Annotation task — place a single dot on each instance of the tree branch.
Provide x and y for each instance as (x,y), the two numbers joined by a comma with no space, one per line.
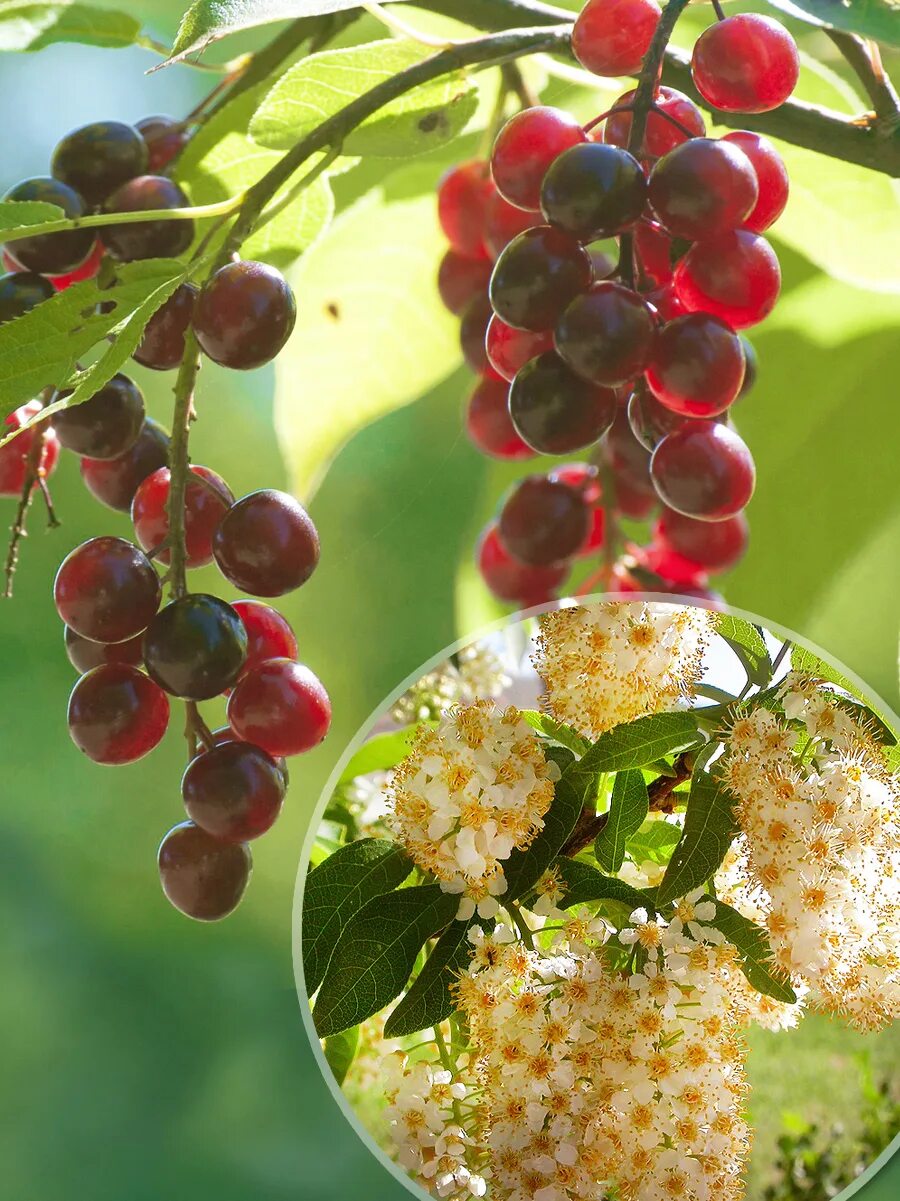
(179,463)
(865,61)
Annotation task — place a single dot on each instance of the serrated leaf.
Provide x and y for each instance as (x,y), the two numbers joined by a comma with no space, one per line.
(322,84)
(523,869)
(555,730)
(878,19)
(18,214)
(338,889)
(748,644)
(628,807)
(380,753)
(752,942)
(340,1051)
(654,841)
(709,826)
(429,1000)
(584,883)
(640,742)
(26,25)
(376,954)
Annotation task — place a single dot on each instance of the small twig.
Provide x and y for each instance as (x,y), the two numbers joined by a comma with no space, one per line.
(34,477)
(651,69)
(196,731)
(517,83)
(179,463)
(865,60)
(718,10)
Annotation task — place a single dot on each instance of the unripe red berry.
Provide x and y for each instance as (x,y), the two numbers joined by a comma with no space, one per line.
(269,635)
(503,222)
(205,504)
(115,481)
(116,714)
(489,425)
(697,367)
(713,545)
(508,349)
(772,177)
(281,706)
(463,195)
(745,64)
(703,187)
(14,455)
(524,149)
(165,138)
(661,135)
(461,279)
(511,581)
(107,590)
(611,37)
(734,276)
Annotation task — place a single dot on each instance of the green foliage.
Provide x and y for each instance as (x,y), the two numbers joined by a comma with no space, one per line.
(639,742)
(628,807)
(376,953)
(709,826)
(208,21)
(585,884)
(752,942)
(556,731)
(19,214)
(380,753)
(27,25)
(337,890)
(876,19)
(654,841)
(523,869)
(749,645)
(429,1001)
(340,1051)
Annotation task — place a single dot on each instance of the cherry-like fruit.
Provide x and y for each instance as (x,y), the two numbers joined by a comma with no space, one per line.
(20,292)
(244,315)
(114,481)
(147,239)
(116,714)
(607,334)
(703,470)
(15,454)
(162,344)
(660,135)
(98,158)
(747,63)
(734,276)
(557,412)
(203,877)
(266,544)
(195,647)
(611,37)
(463,195)
(52,254)
(461,279)
(206,501)
(233,791)
(713,545)
(508,349)
(107,590)
(84,654)
(543,521)
(594,191)
(105,426)
(697,367)
(510,580)
(525,148)
(269,634)
(537,276)
(282,707)
(772,177)
(703,187)
(489,425)
(165,138)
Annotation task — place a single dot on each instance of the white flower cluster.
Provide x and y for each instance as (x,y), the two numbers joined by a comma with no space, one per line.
(469,792)
(478,672)
(820,816)
(610,663)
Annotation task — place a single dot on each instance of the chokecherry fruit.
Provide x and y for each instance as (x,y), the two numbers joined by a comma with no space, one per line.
(503,222)
(266,544)
(162,344)
(713,545)
(105,426)
(543,521)
(463,195)
(660,135)
(697,367)
(745,64)
(85,654)
(734,276)
(489,425)
(555,411)
(611,37)
(203,877)
(703,470)
(594,191)
(269,635)
(98,158)
(87,270)
(244,315)
(472,333)
(461,279)
(508,349)
(115,481)
(116,714)
(512,581)
(14,455)
(654,249)
(702,187)
(165,138)
(195,647)
(650,420)
(771,175)
(20,291)
(107,590)
(585,477)
(147,239)
(537,276)
(233,791)
(281,706)
(607,334)
(206,501)
(52,254)
(525,148)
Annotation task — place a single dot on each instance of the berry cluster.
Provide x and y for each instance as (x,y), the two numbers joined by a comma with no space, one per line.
(639,360)
(133,651)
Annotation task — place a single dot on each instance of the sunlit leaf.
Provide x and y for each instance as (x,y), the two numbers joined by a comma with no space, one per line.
(27,25)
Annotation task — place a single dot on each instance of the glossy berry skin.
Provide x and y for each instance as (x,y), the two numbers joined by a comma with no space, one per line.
(461,279)
(650,420)
(463,195)
(244,315)
(489,425)
(772,178)
(84,654)
(114,481)
(503,222)
(544,521)
(266,544)
(633,502)
(661,135)
(147,239)
(282,707)
(697,367)
(203,877)
(195,647)
(205,504)
(594,191)
(508,349)
(630,462)
(611,37)
(713,546)
(20,291)
(555,411)
(116,714)
(269,635)
(537,276)
(233,791)
(703,470)
(165,138)
(745,64)
(585,478)
(107,590)
(98,158)
(162,346)
(52,254)
(654,249)
(675,571)
(524,149)
(87,270)
(472,333)
(703,187)
(734,276)
(105,426)
(511,581)
(14,455)
(607,334)
(665,303)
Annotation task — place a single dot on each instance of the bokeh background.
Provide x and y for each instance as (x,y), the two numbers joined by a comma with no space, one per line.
(145,1056)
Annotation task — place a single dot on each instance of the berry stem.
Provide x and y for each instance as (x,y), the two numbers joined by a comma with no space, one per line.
(196,732)
(147,42)
(651,69)
(18,529)
(865,59)
(99,220)
(718,10)
(179,463)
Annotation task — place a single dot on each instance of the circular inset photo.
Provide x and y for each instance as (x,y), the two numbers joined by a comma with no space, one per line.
(604,907)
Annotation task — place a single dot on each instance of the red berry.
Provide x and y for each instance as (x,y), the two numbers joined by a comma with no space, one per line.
(195,647)
(607,334)
(98,158)
(664,301)
(14,455)
(116,715)
(87,270)
(630,463)
(461,279)
(611,37)
(147,239)
(165,138)
(734,276)
(107,590)
(583,476)
(162,344)
(650,421)
(105,426)
(672,568)
(703,470)
(661,135)
(512,581)
(509,349)
(557,412)
(503,222)
(634,502)
(537,275)
(712,545)
(269,635)
(233,791)
(52,254)
(489,424)
(703,187)
(526,146)
(244,315)
(280,706)
(594,191)
(745,64)
(85,654)
(544,521)
(266,543)
(202,876)
(654,249)
(697,367)
(772,177)
(472,334)
(115,481)
(204,507)
(463,195)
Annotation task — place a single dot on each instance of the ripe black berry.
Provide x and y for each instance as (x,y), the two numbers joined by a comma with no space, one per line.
(195,647)
(233,791)
(165,139)
(84,654)
(162,344)
(555,411)
(106,590)
(544,521)
(266,543)
(115,481)
(594,191)
(105,426)
(244,315)
(52,254)
(147,239)
(116,715)
(98,158)
(20,291)
(606,335)
(202,876)
(537,275)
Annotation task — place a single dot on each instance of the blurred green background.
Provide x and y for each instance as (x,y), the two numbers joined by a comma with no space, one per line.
(146,1056)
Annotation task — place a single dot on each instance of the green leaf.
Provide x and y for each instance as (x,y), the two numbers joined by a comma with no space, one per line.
(709,826)
(323,84)
(380,753)
(429,1000)
(749,645)
(640,742)
(371,332)
(376,954)
(338,889)
(19,214)
(654,841)
(878,19)
(340,1051)
(752,942)
(208,21)
(26,25)
(555,730)
(584,883)
(523,869)
(628,807)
